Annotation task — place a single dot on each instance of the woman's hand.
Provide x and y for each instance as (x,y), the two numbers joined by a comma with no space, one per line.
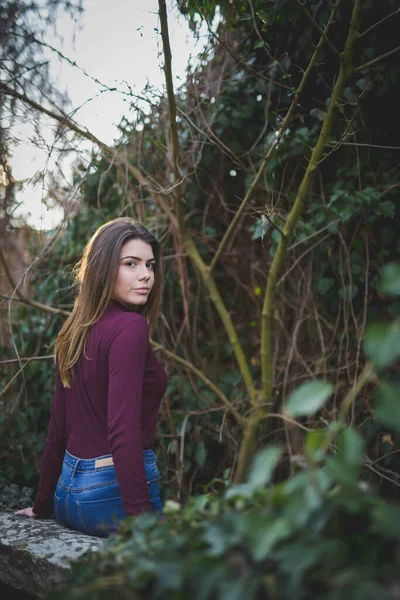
(28,512)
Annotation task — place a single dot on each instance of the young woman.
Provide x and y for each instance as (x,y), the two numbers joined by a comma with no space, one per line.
(98,465)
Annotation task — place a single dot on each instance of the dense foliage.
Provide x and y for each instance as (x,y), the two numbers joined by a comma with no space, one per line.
(308,538)
(313,519)
(228,113)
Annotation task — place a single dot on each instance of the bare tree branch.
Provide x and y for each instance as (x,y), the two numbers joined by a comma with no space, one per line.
(22,297)
(66,121)
(179,205)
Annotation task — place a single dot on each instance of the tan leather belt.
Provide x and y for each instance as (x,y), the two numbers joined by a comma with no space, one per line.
(103,462)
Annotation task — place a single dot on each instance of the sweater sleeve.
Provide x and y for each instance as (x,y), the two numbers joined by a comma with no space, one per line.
(127,357)
(53,454)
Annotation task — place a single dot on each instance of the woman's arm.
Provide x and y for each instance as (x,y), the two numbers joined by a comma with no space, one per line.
(53,454)
(127,358)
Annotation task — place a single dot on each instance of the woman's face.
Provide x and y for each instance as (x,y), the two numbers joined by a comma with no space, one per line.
(135,273)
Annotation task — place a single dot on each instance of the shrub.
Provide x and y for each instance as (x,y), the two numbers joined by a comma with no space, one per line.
(315,536)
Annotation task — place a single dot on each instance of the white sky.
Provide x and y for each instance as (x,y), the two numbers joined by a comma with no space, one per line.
(114,42)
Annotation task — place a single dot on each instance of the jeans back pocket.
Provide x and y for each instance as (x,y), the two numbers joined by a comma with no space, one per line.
(100,517)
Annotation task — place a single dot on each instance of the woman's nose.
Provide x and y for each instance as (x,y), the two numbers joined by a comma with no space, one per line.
(144,273)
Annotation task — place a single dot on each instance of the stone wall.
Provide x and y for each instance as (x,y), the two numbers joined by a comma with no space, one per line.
(35,553)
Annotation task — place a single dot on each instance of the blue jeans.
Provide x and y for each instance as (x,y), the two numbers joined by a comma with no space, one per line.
(88,498)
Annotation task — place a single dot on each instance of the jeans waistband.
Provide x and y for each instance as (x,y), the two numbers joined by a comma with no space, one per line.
(88,464)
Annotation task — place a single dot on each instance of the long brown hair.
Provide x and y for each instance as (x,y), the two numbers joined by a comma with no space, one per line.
(96,275)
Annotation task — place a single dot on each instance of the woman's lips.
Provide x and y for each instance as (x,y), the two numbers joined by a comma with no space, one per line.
(142,290)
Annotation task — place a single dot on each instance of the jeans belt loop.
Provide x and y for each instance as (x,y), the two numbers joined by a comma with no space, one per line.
(75,468)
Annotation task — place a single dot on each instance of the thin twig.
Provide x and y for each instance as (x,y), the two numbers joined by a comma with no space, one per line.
(377,60)
(29,358)
(287,419)
(8,385)
(396,12)
(334,142)
(188,365)
(365,376)
(22,297)
(318,28)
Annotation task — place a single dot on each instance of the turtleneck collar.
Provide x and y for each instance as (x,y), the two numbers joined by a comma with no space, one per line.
(117,304)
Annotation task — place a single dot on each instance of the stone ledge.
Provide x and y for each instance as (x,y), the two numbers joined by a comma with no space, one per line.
(35,553)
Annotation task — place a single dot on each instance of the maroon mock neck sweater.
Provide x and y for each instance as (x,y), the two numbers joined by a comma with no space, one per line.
(110,408)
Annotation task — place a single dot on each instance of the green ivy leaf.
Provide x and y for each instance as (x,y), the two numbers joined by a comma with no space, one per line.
(222,535)
(260,474)
(340,471)
(318,113)
(324,284)
(308,398)
(231,377)
(386,209)
(382,343)
(348,292)
(201,454)
(390,283)
(387,404)
(263,465)
(314,443)
(264,536)
(362,83)
(386,520)
(264,16)
(350,448)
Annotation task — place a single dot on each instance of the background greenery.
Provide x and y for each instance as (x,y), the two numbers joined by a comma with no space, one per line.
(328,292)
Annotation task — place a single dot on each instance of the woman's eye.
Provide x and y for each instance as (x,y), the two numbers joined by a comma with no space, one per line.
(151,265)
(131,263)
